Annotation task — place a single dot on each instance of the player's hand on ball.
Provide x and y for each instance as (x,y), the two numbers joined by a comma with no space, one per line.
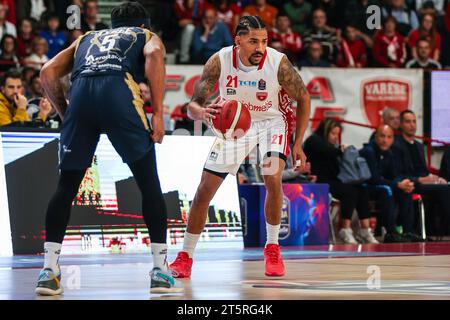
(298,157)
(197,112)
(158,129)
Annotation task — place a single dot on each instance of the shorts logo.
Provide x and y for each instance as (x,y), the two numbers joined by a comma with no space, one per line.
(213,156)
(261,85)
(261,96)
(231,92)
(66,150)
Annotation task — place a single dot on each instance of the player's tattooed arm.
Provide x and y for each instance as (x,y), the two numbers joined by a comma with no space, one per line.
(51,74)
(292,83)
(198,108)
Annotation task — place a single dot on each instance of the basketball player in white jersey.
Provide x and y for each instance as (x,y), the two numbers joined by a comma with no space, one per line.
(265,82)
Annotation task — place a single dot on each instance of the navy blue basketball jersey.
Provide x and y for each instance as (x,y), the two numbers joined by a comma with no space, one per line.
(118,50)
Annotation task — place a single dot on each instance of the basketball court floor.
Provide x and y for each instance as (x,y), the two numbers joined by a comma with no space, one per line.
(384,271)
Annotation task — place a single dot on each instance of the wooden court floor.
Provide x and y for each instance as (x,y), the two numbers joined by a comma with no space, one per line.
(355,274)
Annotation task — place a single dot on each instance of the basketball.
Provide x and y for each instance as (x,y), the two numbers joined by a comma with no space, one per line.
(233,121)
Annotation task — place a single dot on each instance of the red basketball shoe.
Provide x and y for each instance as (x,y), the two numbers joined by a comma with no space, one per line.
(182,266)
(273,261)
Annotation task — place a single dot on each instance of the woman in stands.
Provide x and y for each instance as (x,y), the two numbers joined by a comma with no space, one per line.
(324,151)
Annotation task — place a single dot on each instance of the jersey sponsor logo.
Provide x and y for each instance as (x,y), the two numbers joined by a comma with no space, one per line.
(231,92)
(261,84)
(252,107)
(380,93)
(248,83)
(261,96)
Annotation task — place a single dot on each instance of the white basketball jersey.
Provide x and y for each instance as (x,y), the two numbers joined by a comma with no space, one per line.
(258,90)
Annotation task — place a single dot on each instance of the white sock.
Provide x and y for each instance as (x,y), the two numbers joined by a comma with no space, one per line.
(190,242)
(159,251)
(51,256)
(272,233)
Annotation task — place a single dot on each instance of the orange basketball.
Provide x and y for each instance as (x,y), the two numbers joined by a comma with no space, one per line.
(233,121)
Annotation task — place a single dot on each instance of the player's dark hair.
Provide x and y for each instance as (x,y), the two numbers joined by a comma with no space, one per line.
(12,73)
(407,111)
(249,22)
(130,14)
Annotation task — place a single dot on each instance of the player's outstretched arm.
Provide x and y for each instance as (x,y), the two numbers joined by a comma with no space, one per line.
(51,74)
(155,71)
(293,84)
(197,109)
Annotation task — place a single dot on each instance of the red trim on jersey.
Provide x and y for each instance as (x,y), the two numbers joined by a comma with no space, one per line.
(235,64)
(284,104)
(261,63)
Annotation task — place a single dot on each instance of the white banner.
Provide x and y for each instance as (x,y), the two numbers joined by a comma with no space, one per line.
(5,227)
(357,95)
(360,95)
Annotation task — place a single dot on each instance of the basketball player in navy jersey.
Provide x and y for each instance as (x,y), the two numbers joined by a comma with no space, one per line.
(106,68)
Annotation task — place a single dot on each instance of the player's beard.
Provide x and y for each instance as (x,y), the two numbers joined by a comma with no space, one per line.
(255,55)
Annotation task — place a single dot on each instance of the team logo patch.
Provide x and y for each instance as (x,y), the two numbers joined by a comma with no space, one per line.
(261,96)
(231,92)
(213,156)
(381,93)
(261,85)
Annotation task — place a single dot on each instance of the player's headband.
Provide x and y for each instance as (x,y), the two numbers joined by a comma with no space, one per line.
(131,22)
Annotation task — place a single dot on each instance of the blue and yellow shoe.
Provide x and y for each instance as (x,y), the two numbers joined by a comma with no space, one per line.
(163,282)
(49,284)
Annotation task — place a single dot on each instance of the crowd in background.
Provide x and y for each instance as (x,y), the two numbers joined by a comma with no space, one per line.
(312,33)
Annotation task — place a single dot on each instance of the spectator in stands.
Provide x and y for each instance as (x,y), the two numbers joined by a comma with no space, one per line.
(444,171)
(406,17)
(391,117)
(389,46)
(324,34)
(146,97)
(423,57)
(46,115)
(38,56)
(56,40)
(355,13)
(8,58)
(209,38)
(13,104)
(33,8)
(314,57)
(323,151)
(91,21)
(423,6)
(386,186)
(283,39)
(409,154)
(27,74)
(74,35)
(352,49)
(228,12)
(298,12)
(10,6)
(264,10)
(188,17)
(6,27)
(333,12)
(25,38)
(427,30)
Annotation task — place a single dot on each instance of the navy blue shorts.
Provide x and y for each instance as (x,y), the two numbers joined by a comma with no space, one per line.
(109,104)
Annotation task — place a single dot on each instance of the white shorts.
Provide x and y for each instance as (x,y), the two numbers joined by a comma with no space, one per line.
(272,137)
